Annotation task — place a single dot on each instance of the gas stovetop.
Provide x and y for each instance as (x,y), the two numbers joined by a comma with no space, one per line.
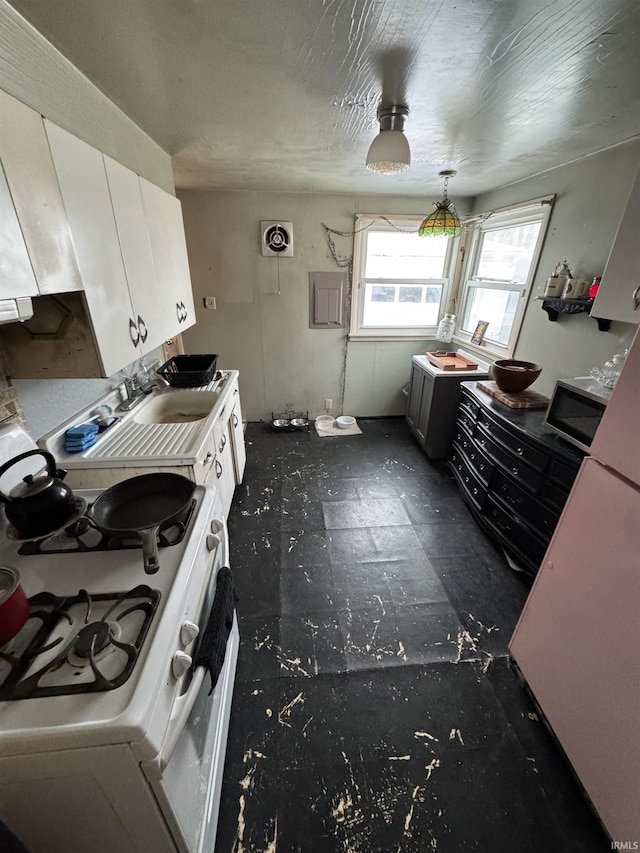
(77,644)
(83,534)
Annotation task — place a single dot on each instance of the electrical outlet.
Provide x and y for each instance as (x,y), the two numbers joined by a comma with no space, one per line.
(328,403)
(209,301)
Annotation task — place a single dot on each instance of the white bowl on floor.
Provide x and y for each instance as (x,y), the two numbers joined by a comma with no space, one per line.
(345,421)
(324,420)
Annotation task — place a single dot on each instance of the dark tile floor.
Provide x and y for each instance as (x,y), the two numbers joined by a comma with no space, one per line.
(374,708)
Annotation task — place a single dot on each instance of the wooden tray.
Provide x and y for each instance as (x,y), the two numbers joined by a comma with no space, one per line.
(524,400)
(451,361)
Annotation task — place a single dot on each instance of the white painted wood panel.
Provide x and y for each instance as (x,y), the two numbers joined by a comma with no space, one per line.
(31,177)
(16,273)
(85,192)
(174,303)
(126,198)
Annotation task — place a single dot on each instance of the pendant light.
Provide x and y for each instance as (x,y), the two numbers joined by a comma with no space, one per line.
(389,153)
(444,221)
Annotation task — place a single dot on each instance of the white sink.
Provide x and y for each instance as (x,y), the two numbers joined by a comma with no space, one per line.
(175,407)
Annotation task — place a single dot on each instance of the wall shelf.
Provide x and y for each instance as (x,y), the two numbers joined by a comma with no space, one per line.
(556,305)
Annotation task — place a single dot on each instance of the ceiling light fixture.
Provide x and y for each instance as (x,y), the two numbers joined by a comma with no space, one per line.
(389,153)
(444,221)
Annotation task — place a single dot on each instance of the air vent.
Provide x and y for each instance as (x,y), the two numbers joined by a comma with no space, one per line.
(277,239)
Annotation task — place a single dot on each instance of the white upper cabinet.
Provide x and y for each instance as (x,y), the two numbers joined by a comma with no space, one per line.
(83,183)
(38,207)
(174,302)
(16,274)
(126,199)
(619,294)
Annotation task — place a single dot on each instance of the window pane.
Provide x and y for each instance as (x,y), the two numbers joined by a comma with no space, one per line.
(498,307)
(398,311)
(506,254)
(382,294)
(391,254)
(410,294)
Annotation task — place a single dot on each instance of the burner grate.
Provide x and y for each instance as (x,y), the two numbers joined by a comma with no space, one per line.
(84,536)
(26,662)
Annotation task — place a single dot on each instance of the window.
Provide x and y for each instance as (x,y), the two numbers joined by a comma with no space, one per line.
(503,251)
(401,280)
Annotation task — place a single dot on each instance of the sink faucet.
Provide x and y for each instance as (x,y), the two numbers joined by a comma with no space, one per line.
(134,395)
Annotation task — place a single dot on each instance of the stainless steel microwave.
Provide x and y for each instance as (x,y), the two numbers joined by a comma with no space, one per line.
(575,410)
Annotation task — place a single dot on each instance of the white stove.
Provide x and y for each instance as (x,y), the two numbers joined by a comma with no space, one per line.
(99,694)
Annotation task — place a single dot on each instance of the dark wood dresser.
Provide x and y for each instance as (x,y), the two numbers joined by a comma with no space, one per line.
(513,473)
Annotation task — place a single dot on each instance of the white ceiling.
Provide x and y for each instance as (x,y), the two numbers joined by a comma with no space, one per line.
(282,96)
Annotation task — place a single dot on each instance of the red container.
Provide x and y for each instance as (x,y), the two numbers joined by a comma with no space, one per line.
(14,605)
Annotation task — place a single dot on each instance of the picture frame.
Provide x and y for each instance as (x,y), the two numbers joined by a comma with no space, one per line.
(480,331)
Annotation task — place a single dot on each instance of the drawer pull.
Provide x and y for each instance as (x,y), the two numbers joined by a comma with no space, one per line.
(474,491)
(223,443)
(519,451)
(208,458)
(235,417)
(515,471)
(218,469)
(466,479)
(482,442)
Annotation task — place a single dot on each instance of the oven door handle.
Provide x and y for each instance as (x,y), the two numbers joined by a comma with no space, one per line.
(181,710)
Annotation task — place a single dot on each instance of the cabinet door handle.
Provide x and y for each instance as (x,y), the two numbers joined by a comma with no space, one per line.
(207,458)
(636,298)
(223,442)
(218,469)
(181,311)
(134,334)
(515,471)
(142,327)
(235,419)
(519,451)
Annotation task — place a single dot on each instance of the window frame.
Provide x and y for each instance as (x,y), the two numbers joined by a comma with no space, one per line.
(357,331)
(476,227)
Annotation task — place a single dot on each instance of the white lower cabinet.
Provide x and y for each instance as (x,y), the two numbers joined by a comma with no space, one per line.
(222,475)
(218,460)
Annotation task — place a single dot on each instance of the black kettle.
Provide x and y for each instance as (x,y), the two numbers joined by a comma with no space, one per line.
(41,504)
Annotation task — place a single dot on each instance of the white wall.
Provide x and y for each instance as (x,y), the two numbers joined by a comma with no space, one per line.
(261,324)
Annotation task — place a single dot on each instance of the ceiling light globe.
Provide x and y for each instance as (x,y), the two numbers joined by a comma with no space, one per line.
(389,153)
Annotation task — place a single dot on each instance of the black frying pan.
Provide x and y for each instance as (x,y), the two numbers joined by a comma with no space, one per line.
(141,505)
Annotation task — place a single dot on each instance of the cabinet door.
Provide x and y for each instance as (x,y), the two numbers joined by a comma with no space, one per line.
(26,159)
(85,192)
(577,639)
(128,210)
(16,274)
(236,431)
(416,388)
(222,475)
(173,309)
(619,294)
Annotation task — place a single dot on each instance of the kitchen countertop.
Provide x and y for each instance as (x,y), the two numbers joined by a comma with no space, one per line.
(482,368)
(128,441)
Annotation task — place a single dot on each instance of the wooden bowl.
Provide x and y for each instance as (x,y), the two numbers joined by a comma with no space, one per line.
(514,376)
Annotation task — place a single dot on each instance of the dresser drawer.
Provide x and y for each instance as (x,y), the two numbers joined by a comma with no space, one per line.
(466,477)
(539,517)
(515,466)
(462,437)
(467,419)
(514,535)
(512,443)
(562,476)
